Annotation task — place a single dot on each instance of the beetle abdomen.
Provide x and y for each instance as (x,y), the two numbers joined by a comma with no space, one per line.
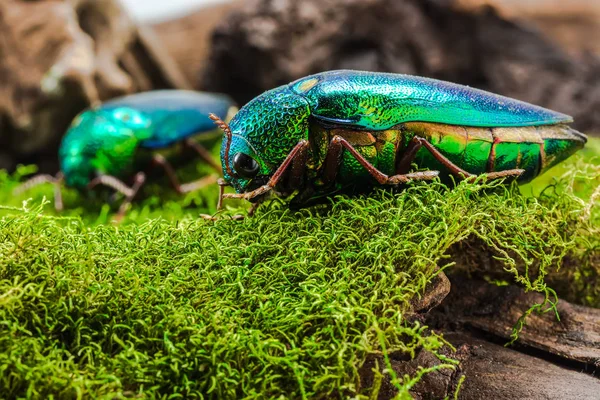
(559,144)
(478,150)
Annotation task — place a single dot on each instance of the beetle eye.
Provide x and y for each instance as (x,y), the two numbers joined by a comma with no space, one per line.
(245,166)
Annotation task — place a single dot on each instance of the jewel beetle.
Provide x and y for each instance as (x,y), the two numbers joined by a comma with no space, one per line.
(119,139)
(341,129)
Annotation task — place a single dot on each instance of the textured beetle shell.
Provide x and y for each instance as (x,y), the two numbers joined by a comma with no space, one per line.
(534,149)
(267,128)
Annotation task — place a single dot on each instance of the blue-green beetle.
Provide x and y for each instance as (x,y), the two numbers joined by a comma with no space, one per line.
(340,129)
(111,142)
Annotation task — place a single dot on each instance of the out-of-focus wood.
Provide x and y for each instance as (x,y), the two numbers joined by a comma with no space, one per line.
(187,38)
(574,24)
(268,43)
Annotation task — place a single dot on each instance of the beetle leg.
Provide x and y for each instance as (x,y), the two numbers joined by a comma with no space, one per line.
(58,202)
(303,197)
(411,151)
(139,180)
(254,207)
(222,183)
(509,173)
(159,160)
(332,163)
(111,182)
(203,153)
(181,188)
(417,142)
(116,184)
(297,170)
(38,180)
(33,182)
(297,151)
(237,217)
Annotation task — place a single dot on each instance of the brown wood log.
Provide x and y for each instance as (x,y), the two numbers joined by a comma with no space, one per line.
(435,293)
(496,372)
(573,24)
(474,304)
(188,39)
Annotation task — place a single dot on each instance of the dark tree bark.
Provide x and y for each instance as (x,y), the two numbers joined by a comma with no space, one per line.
(476,305)
(552,358)
(491,371)
(496,372)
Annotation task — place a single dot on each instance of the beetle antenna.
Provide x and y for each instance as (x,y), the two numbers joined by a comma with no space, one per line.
(227,130)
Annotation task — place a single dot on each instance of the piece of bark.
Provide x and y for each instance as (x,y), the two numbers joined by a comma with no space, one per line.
(56,58)
(491,371)
(436,385)
(496,372)
(435,292)
(269,43)
(496,310)
(552,359)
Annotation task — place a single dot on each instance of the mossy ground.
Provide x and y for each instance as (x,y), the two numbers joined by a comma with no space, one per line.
(287,303)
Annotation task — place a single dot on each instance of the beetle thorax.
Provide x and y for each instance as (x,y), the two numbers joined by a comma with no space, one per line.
(266,130)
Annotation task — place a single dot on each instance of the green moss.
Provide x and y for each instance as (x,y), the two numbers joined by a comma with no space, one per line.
(577,179)
(283,304)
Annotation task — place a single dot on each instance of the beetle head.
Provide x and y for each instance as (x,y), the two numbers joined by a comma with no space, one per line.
(261,135)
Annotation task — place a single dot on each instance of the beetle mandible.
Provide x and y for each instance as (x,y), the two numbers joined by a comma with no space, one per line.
(113,141)
(340,129)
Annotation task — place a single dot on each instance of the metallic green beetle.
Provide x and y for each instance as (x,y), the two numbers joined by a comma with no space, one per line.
(112,142)
(342,129)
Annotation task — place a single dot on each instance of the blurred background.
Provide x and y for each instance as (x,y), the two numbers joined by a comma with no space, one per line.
(59,56)
(155,11)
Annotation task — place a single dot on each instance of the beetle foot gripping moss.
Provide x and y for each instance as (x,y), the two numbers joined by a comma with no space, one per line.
(352,129)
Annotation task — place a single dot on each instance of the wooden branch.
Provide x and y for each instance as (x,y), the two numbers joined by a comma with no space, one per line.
(495,310)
